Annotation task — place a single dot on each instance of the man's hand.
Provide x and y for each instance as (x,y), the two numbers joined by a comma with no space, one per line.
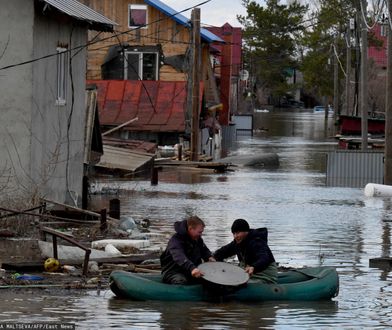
(249,270)
(196,273)
(211,259)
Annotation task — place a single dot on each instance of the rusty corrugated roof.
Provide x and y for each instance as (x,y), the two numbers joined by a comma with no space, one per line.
(84,13)
(159,105)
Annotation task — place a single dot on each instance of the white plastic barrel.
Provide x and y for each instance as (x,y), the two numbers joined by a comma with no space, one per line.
(378,190)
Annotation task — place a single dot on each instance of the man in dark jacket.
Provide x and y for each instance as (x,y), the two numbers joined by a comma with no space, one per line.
(252,250)
(184,252)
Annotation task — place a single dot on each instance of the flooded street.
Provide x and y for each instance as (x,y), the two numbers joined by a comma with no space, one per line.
(309,224)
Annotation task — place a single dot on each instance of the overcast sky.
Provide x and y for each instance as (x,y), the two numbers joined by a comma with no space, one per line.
(215,12)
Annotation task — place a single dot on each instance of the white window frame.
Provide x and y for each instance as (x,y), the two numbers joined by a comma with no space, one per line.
(143,7)
(383,30)
(140,66)
(62,75)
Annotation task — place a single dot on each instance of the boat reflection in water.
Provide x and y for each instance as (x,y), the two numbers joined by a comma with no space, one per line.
(222,315)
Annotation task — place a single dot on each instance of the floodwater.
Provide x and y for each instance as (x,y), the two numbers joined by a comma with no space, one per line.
(309,224)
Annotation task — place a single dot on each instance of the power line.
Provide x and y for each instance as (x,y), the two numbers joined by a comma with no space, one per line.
(107,38)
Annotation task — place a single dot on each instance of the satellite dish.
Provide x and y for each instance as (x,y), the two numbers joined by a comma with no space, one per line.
(244,75)
(223,273)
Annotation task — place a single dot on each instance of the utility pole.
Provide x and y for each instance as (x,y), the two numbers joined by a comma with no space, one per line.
(336,111)
(388,105)
(195,84)
(348,65)
(364,77)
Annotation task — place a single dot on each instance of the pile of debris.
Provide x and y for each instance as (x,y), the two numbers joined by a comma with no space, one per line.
(88,246)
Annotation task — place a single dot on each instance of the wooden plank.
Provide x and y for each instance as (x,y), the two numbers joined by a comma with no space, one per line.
(78,209)
(191,169)
(190,163)
(47,216)
(14,213)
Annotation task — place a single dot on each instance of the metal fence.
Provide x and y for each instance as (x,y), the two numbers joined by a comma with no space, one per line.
(244,125)
(228,136)
(352,168)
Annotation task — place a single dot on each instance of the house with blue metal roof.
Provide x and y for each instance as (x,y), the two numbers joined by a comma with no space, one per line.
(152,42)
(181,19)
(151,50)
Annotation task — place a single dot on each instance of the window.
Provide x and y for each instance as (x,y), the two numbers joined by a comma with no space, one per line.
(62,73)
(141,66)
(383,30)
(137,15)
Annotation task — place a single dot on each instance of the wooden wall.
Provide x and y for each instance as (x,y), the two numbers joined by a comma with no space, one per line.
(161,29)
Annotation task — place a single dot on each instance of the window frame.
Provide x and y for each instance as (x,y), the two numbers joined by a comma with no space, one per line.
(383,30)
(140,64)
(140,7)
(62,75)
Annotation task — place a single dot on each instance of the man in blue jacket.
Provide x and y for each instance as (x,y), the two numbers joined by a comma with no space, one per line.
(252,250)
(184,252)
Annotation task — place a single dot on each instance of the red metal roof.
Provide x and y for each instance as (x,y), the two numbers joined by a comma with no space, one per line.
(159,105)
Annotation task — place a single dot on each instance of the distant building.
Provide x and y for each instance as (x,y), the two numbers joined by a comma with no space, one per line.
(378,53)
(377,58)
(227,66)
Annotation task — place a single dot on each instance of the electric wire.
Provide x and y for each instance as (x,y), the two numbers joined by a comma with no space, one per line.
(103,39)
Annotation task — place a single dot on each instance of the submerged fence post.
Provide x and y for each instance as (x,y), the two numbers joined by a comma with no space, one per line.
(154,176)
(54,241)
(85,184)
(179,149)
(114,208)
(104,225)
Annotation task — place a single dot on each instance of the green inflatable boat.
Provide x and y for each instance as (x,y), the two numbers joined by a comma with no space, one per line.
(313,283)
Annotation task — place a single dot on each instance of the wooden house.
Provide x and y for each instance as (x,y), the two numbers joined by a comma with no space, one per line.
(42,107)
(150,48)
(151,43)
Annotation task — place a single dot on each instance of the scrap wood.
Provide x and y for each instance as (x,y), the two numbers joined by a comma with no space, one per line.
(193,169)
(81,210)
(12,213)
(129,268)
(212,165)
(145,270)
(48,216)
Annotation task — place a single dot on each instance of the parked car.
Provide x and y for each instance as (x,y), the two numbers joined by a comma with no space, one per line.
(321,108)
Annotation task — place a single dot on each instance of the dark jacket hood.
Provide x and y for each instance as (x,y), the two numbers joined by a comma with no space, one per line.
(181,227)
